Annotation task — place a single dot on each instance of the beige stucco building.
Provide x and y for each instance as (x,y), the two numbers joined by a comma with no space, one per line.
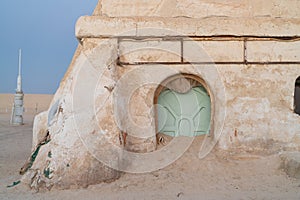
(235,63)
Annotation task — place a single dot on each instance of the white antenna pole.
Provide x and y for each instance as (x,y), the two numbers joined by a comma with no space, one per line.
(18,107)
(20,61)
(19,80)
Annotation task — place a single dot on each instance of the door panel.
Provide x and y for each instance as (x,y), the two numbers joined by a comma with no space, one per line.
(185,114)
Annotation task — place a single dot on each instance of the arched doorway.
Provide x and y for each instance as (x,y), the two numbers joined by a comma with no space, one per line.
(297,96)
(183,106)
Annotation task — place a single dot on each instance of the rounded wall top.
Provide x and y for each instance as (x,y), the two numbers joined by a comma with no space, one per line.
(199,8)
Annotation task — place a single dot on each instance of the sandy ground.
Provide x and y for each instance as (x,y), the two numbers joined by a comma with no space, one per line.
(33,103)
(221,175)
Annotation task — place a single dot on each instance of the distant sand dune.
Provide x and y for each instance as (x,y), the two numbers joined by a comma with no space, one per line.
(33,103)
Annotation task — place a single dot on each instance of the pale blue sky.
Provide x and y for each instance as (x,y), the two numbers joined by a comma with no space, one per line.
(44,29)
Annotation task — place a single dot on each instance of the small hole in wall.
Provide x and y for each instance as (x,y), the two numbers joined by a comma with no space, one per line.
(297,96)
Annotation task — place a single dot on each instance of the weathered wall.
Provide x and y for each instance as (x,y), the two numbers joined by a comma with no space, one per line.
(259,111)
(65,161)
(247,52)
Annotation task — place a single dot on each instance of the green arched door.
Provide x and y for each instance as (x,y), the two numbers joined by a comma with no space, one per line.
(185,114)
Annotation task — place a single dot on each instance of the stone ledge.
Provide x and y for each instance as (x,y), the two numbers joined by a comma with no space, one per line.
(150,51)
(96,26)
(273,51)
(213,51)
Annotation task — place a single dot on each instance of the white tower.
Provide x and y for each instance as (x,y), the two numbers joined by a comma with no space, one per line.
(17,110)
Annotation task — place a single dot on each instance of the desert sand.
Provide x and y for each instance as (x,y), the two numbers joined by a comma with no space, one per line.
(221,175)
(33,103)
